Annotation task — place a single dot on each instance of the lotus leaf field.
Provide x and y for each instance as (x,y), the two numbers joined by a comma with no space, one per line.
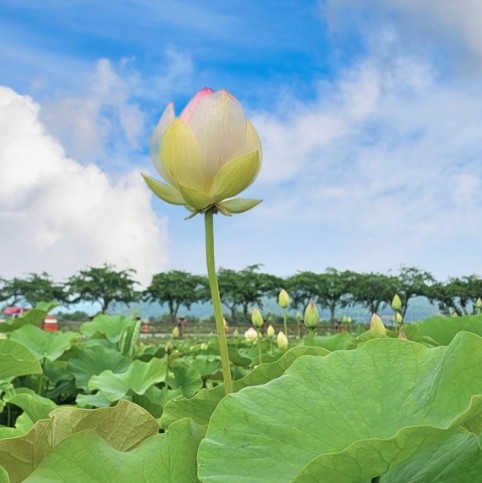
(100,405)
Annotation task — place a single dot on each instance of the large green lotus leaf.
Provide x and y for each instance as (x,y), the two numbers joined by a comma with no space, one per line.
(206,365)
(436,331)
(201,406)
(16,360)
(34,317)
(335,342)
(323,405)
(36,407)
(186,379)
(44,345)
(97,400)
(6,432)
(137,379)
(455,456)
(124,427)
(110,327)
(92,360)
(85,458)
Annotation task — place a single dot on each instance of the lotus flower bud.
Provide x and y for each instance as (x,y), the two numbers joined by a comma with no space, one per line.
(478,304)
(283,299)
(376,326)
(312,317)
(206,155)
(251,335)
(270,331)
(398,318)
(396,303)
(175,332)
(236,333)
(257,318)
(282,341)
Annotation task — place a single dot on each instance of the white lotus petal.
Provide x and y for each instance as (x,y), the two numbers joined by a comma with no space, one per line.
(220,128)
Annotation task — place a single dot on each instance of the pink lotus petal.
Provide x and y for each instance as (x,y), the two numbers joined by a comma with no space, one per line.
(186,113)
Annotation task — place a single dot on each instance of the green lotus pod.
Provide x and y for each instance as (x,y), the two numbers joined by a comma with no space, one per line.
(207,155)
(312,317)
(377,327)
(396,303)
(257,318)
(282,340)
(283,299)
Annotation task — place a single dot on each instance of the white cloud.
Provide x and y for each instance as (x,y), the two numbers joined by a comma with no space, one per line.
(448,26)
(100,122)
(387,158)
(59,216)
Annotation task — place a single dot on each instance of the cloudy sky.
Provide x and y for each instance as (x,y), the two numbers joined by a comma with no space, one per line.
(370,114)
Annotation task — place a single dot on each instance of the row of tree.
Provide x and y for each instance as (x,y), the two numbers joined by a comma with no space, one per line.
(244,289)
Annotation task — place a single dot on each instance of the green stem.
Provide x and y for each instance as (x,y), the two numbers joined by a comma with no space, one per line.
(259,347)
(310,337)
(40,389)
(218,313)
(285,325)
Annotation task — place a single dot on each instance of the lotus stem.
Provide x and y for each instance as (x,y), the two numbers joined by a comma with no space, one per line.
(216,300)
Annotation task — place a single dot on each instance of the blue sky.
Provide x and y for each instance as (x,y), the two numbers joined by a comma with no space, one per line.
(369,114)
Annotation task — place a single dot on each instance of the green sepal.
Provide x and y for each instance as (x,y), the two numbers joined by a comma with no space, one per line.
(164,191)
(237,205)
(235,176)
(195,198)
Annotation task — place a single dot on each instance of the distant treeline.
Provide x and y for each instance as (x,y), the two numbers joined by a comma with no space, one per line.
(244,289)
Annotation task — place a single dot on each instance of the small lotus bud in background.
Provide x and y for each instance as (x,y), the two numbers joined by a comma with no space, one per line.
(270,331)
(398,318)
(478,304)
(251,335)
(283,299)
(396,303)
(175,332)
(282,341)
(257,318)
(376,326)
(236,333)
(312,317)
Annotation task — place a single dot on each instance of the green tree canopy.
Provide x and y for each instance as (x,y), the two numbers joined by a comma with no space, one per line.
(245,289)
(412,282)
(371,290)
(330,289)
(176,288)
(33,289)
(103,285)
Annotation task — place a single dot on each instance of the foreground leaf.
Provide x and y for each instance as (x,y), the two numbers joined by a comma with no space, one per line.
(202,405)
(322,419)
(85,457)
(436,331)
(124,427)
